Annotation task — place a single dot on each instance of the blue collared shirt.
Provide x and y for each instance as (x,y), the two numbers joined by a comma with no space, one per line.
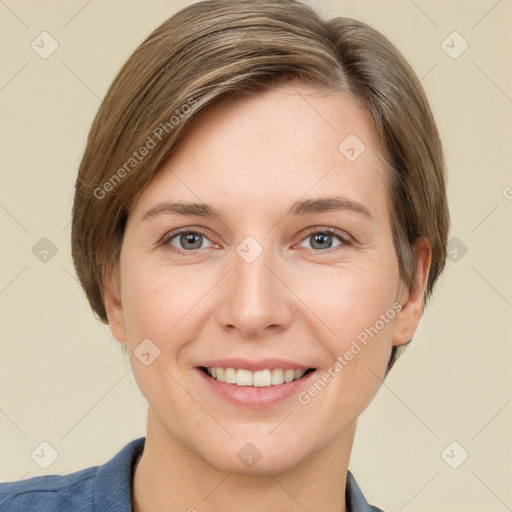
(106,488)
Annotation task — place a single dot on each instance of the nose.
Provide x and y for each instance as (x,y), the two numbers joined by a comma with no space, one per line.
(255,301)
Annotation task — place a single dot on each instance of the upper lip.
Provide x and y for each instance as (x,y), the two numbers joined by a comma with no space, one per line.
(261,364)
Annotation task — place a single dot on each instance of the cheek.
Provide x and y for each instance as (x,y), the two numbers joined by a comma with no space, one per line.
(358,305)
(360,313)
(159,301)
(350,299)
(159,305)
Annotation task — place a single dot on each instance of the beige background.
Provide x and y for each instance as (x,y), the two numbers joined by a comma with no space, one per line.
(64,380)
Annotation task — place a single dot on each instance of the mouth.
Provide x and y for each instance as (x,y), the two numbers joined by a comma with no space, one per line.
(264,378)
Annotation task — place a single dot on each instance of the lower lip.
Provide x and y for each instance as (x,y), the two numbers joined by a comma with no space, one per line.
(256,397)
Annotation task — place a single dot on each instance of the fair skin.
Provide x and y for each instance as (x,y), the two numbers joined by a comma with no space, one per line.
(301,301)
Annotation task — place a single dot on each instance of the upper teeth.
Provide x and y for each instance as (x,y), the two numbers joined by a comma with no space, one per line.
(261,378)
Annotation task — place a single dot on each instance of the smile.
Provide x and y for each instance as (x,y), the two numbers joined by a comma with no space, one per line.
(260,378)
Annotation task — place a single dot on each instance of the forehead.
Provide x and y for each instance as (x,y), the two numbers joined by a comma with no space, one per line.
(288,142)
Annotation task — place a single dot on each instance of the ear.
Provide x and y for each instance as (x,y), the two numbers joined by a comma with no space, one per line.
(408,318)
(113,306)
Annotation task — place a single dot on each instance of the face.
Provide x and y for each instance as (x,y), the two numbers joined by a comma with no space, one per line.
(264,246)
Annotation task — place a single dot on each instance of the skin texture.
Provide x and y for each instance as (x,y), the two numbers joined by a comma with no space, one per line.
(252,159)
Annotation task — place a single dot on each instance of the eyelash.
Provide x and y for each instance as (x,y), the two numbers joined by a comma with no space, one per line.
(344,238)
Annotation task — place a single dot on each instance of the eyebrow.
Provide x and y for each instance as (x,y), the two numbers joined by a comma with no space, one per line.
(304,207)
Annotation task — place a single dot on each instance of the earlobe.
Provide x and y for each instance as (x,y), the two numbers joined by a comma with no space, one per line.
(113,306)
(412,300)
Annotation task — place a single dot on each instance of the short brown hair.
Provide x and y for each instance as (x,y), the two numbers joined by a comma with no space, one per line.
(220,49)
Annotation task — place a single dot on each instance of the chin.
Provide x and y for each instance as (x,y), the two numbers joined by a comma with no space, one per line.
(243,457)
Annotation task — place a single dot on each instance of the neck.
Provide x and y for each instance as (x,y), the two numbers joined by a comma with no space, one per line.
(170,477)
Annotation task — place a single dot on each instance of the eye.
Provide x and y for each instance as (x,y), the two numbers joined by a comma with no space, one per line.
(192,239)
(322,240)
(187,239)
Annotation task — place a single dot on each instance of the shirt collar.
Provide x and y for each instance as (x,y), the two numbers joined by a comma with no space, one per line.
(354,498)
(113,483)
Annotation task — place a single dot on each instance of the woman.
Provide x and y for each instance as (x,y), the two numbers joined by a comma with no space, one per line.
(299,159)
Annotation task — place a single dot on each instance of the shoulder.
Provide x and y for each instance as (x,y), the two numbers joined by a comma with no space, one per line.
(105,487)
(50,492)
